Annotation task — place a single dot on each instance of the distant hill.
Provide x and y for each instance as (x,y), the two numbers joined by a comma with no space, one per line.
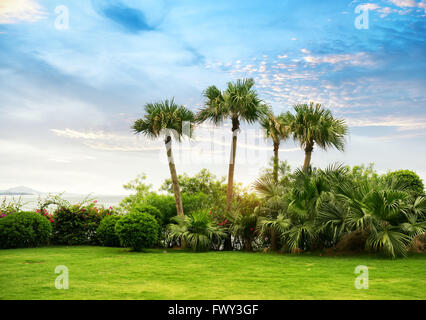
(19,191)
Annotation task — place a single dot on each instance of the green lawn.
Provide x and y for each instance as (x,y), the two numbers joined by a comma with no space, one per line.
(116,273)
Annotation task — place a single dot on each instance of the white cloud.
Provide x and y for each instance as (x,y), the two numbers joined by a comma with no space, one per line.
(369,6)
(401,123)
(386,11)
(409,4)
(404,3)
(358,59)
(15,11)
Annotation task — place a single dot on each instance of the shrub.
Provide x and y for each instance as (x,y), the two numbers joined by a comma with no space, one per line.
(10,206)
(45,214)
(137,230)
(354,241)
(77,224)
(418,244)
(106,231)
(24,230)
(409,178)
(194,202)
(153,211)
(197,231)
(165,203)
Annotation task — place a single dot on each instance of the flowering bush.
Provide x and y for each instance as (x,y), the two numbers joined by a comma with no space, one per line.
(10,207)
(77,224)
(46,214)
(220,219)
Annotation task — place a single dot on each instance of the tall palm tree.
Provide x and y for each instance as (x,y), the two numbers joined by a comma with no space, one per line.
(276,129)
(168,119)
(238,102)
(313,124)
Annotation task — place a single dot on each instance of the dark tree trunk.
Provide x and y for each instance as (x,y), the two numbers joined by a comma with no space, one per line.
(274,246)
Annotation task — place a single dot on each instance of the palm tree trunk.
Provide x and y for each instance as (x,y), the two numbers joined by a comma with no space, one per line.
(175,183)
(273,240)
(229,193)
(308,152)
(276,148)
(247,245)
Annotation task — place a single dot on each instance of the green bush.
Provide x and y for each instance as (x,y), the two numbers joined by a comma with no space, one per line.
(77,224)
(165,203)
(137,230)
(153,211)
(106,232)
(410,179)
(194,202)
(24,230)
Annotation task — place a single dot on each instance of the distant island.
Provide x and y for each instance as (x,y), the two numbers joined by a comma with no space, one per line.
(19,191)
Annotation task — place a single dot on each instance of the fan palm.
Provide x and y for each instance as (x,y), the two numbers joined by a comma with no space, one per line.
(198,231)
(274,203)
(238,102)
(167,119)
(276,129)
(382,210)
(313,124)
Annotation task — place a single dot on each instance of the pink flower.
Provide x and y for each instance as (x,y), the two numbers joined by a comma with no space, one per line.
(110,208)
(95,201)
(251,229)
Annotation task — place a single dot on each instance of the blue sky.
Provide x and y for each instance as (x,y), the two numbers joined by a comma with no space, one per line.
(68,96)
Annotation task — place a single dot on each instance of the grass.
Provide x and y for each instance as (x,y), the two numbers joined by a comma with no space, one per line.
(116,273)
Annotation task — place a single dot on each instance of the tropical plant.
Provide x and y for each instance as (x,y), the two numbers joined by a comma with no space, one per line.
(272,208)
(243,227)
(276,129)
(411,179)
(170,120)
(312,124)
(197,230)
(384,210)
(239,102)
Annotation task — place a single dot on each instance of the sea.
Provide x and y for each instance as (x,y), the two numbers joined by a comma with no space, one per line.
(30,201)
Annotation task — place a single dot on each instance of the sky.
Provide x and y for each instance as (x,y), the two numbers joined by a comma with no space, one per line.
(75,75)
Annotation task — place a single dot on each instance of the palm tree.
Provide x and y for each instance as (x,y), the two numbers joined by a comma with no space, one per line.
(168,119)
(313,124)
(238,102)
(276,129)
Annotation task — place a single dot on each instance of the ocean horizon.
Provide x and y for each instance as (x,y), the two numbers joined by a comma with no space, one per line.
(30,201)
